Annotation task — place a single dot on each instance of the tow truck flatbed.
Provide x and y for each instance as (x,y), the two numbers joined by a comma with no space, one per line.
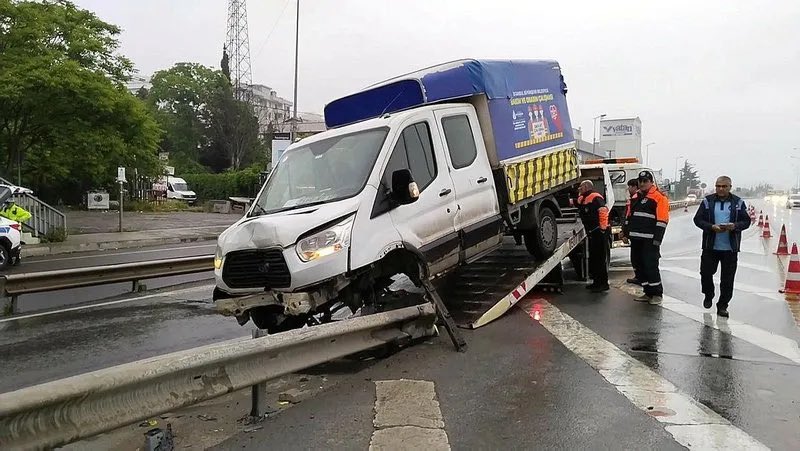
(484,290)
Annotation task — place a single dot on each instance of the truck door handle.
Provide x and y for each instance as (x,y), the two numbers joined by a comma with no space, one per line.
(482,180)
(445,192)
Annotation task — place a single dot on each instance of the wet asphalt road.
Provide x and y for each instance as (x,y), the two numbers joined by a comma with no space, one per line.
(517,386)
(43,301)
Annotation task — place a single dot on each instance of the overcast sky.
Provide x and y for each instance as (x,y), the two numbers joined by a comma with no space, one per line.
(715,81)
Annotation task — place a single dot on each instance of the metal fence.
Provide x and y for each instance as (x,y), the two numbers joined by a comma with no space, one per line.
(60,412)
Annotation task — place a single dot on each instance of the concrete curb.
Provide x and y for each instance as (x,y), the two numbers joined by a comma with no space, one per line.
(40,250)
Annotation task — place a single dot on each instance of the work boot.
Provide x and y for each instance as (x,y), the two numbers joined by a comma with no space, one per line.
(634,281)
(642,298)
(708,301)
(723,312)
(655,300)
(600,288)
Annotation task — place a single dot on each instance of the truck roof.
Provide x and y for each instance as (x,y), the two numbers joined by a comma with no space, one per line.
(497,79)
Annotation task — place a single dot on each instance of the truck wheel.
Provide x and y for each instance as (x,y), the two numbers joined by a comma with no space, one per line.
(542,241)
(5,257)
(274,321)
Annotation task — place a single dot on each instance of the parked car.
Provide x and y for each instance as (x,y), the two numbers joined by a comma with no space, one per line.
(793,201)
(691,198)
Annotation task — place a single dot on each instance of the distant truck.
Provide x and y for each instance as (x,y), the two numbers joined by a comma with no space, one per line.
(416,175)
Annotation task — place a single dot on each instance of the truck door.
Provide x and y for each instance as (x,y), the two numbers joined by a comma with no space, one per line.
(478,219)
(427,224)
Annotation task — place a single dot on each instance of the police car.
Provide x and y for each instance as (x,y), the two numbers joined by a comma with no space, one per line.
(10,232)
(10,243)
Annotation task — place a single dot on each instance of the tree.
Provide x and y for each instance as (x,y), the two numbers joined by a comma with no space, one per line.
(206,127)
(66,120)
(688,179)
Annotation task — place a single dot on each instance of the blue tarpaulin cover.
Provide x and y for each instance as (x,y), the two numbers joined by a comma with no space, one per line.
(527,100)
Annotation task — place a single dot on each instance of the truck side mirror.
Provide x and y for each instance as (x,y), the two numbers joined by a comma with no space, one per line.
(404,189)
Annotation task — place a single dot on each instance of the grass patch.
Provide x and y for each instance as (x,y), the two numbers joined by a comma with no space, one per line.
(55,235)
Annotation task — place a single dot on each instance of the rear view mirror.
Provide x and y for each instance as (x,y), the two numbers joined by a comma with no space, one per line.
(404,189)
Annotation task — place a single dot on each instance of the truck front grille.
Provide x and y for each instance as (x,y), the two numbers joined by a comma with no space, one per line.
(256,268)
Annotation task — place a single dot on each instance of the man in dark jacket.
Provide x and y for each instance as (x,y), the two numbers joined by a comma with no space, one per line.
(722,216)
(594,215)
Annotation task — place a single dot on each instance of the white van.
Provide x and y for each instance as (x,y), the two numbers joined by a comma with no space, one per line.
(178,189)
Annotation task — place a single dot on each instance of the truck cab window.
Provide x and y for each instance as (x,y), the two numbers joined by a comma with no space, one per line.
(413,151)
(460,141)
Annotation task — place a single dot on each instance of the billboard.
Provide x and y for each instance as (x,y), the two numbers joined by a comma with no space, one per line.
(620,127)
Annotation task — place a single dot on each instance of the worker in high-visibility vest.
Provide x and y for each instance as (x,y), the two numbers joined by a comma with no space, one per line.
(594,215)
(14,212)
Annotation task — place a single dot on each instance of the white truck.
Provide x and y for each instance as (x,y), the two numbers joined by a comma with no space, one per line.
(177,189)
(416,175)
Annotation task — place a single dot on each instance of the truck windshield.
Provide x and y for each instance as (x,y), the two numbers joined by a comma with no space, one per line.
(180,186)
(325,171)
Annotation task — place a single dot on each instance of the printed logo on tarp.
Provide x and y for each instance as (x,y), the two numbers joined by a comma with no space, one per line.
(616,130)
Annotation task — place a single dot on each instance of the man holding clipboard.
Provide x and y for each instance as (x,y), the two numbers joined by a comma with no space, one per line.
(722,216)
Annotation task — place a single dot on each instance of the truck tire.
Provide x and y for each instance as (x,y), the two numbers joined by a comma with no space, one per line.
(542,241)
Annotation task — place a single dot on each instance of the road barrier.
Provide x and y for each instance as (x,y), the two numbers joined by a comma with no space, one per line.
(14,285)
(60,412)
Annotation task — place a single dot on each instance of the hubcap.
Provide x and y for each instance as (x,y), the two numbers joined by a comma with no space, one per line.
(548,226)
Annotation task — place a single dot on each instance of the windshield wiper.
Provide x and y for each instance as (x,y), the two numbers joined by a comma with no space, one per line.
(260,211)
(296,207)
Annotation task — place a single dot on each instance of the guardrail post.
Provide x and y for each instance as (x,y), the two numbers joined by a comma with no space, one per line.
(258,392)
(138,287)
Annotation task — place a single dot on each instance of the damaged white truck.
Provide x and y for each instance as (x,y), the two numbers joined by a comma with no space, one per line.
(416,175)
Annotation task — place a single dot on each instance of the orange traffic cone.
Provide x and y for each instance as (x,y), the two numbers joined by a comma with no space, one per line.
(767,232)
(686,207)
(752,216)
(783,245)
(761,220)
(793,274)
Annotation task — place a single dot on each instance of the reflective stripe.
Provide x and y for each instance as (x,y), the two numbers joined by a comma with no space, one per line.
(662,224)
(653,284)
(641,235)
(644,215)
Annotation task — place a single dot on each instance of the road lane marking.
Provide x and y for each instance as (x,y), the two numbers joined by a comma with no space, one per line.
(774,343)
(105,304)
(407,416)
(689,422)
(739,264)
(766,293)
(114,254)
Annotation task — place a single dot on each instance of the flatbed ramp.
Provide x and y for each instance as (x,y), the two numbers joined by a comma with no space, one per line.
(481,292)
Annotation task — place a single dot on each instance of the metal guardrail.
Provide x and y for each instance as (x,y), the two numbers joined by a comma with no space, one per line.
(14,285)
(60,412)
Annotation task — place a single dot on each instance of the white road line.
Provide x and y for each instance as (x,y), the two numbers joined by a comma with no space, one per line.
(763,292)
(740,264)
(690,423)
(774,343)
(112,253)
(105,304)
(407,416)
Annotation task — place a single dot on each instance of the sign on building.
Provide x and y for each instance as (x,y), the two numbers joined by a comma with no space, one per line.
(622,137)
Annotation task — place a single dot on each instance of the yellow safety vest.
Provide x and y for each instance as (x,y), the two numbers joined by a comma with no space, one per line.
(15,213)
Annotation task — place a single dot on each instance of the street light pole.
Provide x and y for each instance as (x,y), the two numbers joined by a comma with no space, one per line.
(296,60)
(676,167)
(594,131)
(647,153)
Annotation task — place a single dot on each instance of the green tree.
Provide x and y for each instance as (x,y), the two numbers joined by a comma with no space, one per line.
(206,128)
(66,120)
(687,180)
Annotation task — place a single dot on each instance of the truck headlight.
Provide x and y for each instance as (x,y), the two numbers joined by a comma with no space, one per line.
(327,242)
(218,258)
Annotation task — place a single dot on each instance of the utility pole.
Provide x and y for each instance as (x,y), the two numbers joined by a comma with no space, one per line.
(237,44)
(594,131)
(293,134)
